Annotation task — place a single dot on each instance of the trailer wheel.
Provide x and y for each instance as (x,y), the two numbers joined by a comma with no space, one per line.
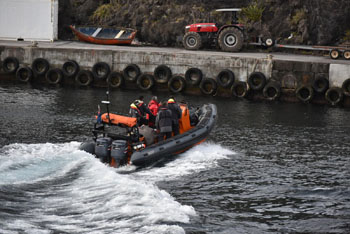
(334,54)
(347,54)
(269,42)
(231,39)
(192,41)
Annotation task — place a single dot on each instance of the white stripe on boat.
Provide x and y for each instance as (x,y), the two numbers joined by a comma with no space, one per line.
(96,32)
(119,34)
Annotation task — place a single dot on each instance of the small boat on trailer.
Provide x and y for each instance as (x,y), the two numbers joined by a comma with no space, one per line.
(138,144)
(104,36)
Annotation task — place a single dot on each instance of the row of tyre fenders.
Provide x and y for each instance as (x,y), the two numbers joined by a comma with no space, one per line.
(162,74)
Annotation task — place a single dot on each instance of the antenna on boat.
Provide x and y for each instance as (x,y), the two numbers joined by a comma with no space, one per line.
(107,102)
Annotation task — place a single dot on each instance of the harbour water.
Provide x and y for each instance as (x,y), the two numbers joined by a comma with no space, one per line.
(266,168)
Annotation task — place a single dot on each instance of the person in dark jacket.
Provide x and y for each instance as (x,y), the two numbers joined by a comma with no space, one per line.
(164,122)
(136,113)
(143,108)
(176,115)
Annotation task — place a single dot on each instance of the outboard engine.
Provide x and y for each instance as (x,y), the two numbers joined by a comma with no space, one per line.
(119,151)
(103,149)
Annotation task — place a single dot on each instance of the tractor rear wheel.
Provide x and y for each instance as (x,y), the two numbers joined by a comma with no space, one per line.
(231,39)
(192,41)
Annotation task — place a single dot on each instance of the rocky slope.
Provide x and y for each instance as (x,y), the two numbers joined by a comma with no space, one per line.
(161,22)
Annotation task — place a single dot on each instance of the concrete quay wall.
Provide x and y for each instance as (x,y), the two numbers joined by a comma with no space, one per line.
(286,73)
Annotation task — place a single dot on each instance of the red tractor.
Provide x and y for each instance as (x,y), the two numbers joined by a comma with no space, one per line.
(229,37)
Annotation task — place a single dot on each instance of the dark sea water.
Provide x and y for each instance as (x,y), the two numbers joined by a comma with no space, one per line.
(266,168)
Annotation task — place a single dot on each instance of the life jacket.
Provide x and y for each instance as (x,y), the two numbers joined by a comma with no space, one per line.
(134,107)
(175,110)
(165,120)
(153,106)
(184,122)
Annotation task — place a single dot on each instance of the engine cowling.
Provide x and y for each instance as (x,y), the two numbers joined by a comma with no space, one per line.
(202,27)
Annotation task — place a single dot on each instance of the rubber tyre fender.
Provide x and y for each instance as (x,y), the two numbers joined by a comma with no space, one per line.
(84,78)
(193,76)
(162,74)
(346,87)
(334,96)
(334,54)
(192,41)
(115,79)
(320,84)
(131,72)
(240,89)
(145,81)
(70,68)
(24,74)
(272,91)
(305,93)
(40,66)
(101,70)
(10,65)
(172,84)
(257,81)
(208,86)
(54,76)
(225,78)
(231,39)
(346,54)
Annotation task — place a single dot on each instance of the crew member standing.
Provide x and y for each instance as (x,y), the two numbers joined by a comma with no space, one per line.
(136,113)
(164,122)
(176,115)
(144,109)
(153,106)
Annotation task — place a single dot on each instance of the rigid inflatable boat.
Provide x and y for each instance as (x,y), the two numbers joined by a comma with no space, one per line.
(138,145)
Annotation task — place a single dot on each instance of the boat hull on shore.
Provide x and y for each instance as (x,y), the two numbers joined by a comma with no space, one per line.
(104,36)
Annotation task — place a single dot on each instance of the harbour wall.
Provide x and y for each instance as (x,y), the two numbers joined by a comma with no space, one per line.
(256,76)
